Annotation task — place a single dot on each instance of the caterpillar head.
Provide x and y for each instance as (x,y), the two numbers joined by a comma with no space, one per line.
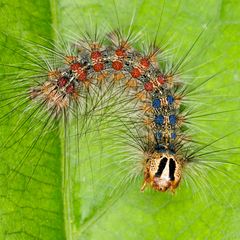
(162,172)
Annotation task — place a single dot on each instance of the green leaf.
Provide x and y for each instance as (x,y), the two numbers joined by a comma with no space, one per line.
(57,185)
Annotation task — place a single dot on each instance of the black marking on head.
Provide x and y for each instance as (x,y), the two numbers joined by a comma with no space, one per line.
(172,167)
(161,166)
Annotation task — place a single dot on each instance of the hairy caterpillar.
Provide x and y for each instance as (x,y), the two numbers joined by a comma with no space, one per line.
(100,111)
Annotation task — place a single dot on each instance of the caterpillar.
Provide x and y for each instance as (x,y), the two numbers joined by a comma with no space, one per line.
(102,87)
(123,63)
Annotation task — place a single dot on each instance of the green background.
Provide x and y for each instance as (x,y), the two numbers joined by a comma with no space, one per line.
(32,200)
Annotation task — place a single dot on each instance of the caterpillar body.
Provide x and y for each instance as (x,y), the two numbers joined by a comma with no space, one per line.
(103,87)
(151,84)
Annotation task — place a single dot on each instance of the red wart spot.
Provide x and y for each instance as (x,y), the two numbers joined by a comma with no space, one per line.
(135,73)
(148,86)
(82,74)
(117,65)
(161,79)
(96,55)
(70,89)
(145,62)
(120,52)
(75,66)
(62,82)
(98,67)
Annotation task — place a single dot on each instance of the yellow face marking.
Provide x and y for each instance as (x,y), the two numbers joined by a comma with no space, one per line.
(162,172)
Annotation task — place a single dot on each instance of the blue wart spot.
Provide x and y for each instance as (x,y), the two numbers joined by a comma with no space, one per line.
(156,103)
(159,119)
(173,135)
(172,119)
(171,148)
(160,148)
(158,135)
(170,99)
